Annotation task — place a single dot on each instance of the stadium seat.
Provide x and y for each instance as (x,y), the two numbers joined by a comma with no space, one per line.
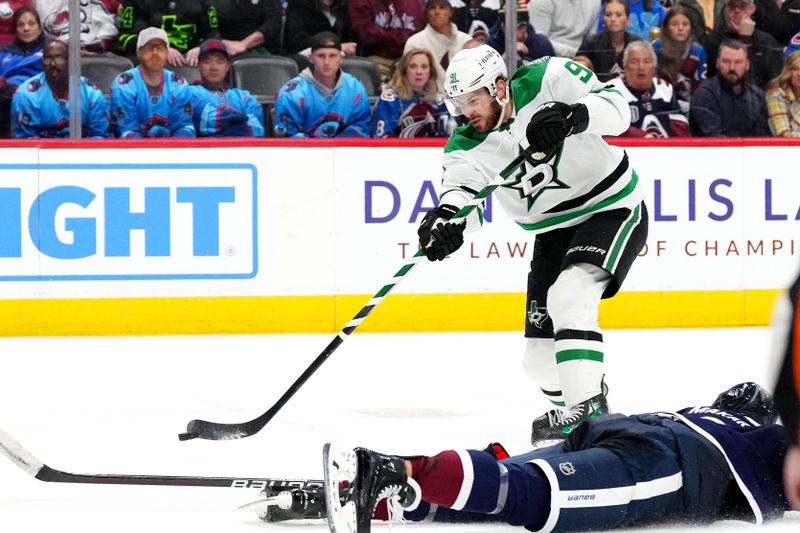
(367,72)
(101,70)
(190,74)
(263,76)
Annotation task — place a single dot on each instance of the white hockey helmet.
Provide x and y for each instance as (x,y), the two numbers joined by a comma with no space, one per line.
(472,69)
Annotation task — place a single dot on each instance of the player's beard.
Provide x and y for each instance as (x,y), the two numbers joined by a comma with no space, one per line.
(492,118)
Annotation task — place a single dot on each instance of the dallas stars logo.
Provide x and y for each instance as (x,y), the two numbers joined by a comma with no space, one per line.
(532,183)
(536,314)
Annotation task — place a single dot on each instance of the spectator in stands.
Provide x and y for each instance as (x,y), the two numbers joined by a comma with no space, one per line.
(8,30)
(440,36)
(477,16)
(705,15)
(783,99)
(530,45)
(306,18)
(187,23)
(98,30)
(148,100)
(324,101)
(382,28)
(644,16)
(605,49)
(40,107)
(566,24)
(412,104)
(728,104)
(681,60)
(252,26)
(655,112)
(19,60)
(763,50)
(771,19)
(793,46)
(218,109)
(791,10)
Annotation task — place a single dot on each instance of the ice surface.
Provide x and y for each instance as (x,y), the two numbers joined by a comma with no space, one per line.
(116,405)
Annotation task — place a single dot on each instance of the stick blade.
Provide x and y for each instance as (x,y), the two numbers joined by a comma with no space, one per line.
(203,429)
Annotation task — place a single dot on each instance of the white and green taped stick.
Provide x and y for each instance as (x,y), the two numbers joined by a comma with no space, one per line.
(204,429)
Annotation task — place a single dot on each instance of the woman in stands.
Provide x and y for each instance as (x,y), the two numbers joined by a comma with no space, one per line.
(411,106)
(20,59)
(783,99)
(605,49)
(681,60)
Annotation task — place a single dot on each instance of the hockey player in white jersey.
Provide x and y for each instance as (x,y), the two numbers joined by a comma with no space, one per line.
(577,193)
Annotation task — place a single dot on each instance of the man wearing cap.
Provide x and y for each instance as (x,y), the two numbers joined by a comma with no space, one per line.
(40,107)
(440,36)
(148,100)
(324,101)
(763,51)
(220,110)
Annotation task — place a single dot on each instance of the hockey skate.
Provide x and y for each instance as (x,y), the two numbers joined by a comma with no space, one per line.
(290,504)
(370,477)
(556,425)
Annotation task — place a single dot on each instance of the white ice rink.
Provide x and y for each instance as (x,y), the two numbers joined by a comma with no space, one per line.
(116,405)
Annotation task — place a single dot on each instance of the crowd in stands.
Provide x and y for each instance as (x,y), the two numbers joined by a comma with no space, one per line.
(375,68)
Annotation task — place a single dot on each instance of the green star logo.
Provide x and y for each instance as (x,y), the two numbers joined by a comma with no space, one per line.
(531,183)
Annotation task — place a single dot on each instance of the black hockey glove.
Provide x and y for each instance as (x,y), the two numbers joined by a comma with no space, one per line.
(553,122)
(439,237)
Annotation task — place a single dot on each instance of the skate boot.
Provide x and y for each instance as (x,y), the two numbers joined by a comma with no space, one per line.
(292,504)
(556,425)
(370,478)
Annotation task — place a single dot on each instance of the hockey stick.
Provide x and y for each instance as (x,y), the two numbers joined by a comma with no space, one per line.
(204,429)
(30,464)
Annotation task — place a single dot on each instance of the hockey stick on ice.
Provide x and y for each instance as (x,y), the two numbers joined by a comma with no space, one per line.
(204,429)
(30,464)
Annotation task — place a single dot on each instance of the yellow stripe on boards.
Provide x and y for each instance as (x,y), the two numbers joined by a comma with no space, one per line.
(396,313)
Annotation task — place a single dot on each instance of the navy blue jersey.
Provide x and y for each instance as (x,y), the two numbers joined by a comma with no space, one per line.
(413,117)
(37,112)
(136,111)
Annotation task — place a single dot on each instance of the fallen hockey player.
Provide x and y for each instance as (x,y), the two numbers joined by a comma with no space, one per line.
(696,465)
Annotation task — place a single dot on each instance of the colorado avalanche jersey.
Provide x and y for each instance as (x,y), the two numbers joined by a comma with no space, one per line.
(227,113)
(137,111)
(655,112)
(586,176)
(37,112)
(308,109)
(750,450)
(413,117)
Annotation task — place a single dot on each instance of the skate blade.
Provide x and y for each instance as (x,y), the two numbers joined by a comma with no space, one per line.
(282,500)
(546,443)
(339,467)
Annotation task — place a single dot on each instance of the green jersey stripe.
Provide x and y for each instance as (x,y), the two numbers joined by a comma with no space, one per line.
(579,355)
(619,242)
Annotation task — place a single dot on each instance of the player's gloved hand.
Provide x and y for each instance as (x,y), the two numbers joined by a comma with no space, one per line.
(439,237)
(553,122)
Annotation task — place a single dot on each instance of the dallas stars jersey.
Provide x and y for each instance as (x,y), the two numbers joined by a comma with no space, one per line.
(586,175)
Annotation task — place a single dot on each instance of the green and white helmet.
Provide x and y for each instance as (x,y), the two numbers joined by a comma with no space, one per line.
(470,70)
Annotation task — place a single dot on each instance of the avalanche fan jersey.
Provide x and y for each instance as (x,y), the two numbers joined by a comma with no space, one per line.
(413,117)
(230,112)
(166,113)
(585,176)
(37,112)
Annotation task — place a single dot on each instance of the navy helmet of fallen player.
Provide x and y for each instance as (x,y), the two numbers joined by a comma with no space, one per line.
(749,399)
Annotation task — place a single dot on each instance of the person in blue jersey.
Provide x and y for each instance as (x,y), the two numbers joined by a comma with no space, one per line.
(148,100)
(645,15)
(220,110)
(720,461)
(411,105)
(40,107)
(323,101)
(19,59)
(694,466)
